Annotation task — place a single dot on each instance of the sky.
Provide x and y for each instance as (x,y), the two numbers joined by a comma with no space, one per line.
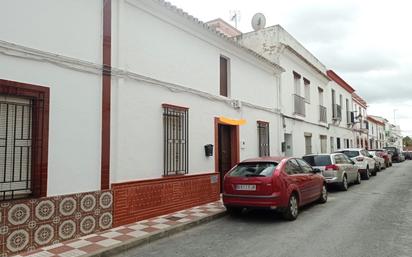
(368,43)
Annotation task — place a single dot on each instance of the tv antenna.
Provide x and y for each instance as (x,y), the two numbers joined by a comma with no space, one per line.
(235,17)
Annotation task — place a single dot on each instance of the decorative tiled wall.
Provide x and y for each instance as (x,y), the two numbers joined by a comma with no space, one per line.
(31,223)
(138,200)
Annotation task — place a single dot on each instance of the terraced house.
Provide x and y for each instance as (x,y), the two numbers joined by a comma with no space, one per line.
(131,110)
(135,109)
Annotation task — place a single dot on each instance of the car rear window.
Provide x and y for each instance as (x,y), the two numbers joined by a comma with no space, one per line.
(253,169)
(318,160)
(350,154)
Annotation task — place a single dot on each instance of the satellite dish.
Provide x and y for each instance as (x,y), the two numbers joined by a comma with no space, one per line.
(258,21)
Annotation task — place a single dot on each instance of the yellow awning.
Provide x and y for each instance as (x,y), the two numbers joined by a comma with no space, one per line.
(229,121)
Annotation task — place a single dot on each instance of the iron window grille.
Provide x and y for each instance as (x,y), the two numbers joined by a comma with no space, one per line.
(176,140)
(15,147)
(263,134)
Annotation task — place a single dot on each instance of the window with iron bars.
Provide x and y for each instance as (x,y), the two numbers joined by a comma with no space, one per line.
(24,130)
(176,135)
(263,134)
(15,147)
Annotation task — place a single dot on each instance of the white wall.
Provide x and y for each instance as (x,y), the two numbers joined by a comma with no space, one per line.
(137,131)
(156,44)
(153,41)
(74,122)
(71,28)
(66,27)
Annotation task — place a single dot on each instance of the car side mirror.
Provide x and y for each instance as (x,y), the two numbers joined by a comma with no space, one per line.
(370,156)
(352,162)
(316,170)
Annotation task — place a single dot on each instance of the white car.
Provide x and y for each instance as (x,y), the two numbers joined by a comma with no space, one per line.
(363,160)
(380,162)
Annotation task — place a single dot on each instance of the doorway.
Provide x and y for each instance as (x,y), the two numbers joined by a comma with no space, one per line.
(227,148)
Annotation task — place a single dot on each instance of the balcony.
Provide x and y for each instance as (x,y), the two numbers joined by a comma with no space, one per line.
(299,105)
(322,114)
(337,112)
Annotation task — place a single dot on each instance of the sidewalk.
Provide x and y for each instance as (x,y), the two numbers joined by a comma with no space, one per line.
(121,238)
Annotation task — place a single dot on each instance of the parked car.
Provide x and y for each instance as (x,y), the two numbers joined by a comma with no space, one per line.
(337,169)
(395,153)
(385,155)
(401,157)
(379,161)
(408,155)
(363,160)
(278,183)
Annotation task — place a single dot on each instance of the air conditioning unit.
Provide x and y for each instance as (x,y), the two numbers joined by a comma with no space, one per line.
(237,104)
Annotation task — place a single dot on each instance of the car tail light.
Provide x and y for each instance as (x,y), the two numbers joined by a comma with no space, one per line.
(332,167)
(359,159)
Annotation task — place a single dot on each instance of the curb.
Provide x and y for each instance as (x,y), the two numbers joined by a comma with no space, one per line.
(124,246)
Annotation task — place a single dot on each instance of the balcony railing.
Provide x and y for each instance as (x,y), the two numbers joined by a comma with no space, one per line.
(299,105)
(337,112)
(322,113)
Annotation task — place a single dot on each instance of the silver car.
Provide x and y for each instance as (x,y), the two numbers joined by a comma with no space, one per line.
(337,168)
(380,162)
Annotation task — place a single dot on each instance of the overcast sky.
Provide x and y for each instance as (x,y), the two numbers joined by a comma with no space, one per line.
(368,43)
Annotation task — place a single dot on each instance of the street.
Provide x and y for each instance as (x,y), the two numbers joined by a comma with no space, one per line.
(371,219)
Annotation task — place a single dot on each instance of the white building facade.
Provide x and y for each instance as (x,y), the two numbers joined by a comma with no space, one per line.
(131,110)
(342,118)
(376,133)
(316,103)
(361,125)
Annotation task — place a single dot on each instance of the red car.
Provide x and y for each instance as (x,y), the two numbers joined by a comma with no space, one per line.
(385,155)
(278,183)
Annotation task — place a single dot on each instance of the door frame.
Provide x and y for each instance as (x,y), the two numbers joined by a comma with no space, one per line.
(234,142)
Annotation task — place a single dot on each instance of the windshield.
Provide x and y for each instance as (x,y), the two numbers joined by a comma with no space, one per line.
(350,154)
(373,153)
(253,169)
(391,149)
(318,160)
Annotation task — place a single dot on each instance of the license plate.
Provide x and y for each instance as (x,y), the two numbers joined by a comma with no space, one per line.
(246,187)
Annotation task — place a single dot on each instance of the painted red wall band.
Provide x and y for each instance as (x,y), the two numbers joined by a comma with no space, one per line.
(106,94)
(143,199)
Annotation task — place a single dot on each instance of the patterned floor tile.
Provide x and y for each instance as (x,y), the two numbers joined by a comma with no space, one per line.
(137,227)
(110,234)
(125,230)
(96,238)
(123,238)
(137,233)
(150,229)
(161,226)
(79,243)
(61,249)
(108,242)
(73,253)
(91,248)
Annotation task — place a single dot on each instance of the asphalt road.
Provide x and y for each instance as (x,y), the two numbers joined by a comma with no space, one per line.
(372,219)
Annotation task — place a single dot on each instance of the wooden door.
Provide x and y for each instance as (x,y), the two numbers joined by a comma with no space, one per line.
(225,150)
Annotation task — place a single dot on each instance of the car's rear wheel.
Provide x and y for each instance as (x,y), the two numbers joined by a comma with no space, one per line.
(367,174)
(323,195)
(292,211)
(375,171)
(358,179)
(234,210)
(344,184)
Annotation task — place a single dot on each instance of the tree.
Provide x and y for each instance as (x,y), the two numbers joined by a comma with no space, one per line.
(407,141)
